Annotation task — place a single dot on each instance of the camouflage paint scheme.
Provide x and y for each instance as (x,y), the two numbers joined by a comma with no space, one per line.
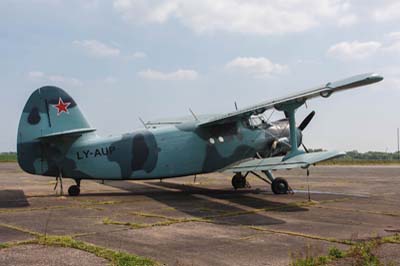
(168,151)
(55,139)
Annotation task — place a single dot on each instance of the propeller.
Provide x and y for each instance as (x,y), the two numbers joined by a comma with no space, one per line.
(304,124)
(306,121)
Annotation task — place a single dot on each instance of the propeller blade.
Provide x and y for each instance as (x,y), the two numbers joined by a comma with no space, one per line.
(306,121)
(305,148)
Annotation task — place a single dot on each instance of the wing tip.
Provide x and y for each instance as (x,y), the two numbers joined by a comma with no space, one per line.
(375,77)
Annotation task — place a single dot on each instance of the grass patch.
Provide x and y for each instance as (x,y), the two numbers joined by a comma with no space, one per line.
(168,221)
(117,258)
(392,239)
(8,157)
(20,229)
(35,209)
(151,215)
(360,254)
(4,245)
(336,253)
(290,233)
(309,259)
(132,225)
(17,243)
(171,219)
(393,214)
(364,254)
(312,261)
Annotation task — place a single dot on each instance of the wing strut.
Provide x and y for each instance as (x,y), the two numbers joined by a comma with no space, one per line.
(289,108)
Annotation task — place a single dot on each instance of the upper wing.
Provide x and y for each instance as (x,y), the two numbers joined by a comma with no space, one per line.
(324,90)
(176,121)
(278,163)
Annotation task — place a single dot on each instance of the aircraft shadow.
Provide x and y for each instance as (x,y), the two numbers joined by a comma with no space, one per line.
(224,206)
(13,199)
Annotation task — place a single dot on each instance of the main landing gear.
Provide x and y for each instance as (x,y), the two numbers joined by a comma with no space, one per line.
(239,181)
(75,190)
(278,185)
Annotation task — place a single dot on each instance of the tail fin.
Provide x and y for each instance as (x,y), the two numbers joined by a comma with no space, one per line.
(49,114)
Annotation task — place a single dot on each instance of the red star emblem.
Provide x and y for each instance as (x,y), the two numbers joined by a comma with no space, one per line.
(62,107)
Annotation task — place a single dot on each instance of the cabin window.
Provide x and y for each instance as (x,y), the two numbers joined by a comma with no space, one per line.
(229,129)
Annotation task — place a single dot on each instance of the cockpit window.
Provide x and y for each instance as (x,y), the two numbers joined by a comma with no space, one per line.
(256,121)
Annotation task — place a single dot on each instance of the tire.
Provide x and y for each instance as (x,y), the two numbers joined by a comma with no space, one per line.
(74,191)
(280,186)
(238,181)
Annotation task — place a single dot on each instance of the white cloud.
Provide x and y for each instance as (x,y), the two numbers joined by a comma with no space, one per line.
(348,20)
(251,16)
(54,79)
(394,47)
(97,49)
(110,80)
(180,74)
(393,35)
(354,50)
(137,55)
(257,66)
(393,42)
(391,82)
(90,4)
(35,74)
(388,12)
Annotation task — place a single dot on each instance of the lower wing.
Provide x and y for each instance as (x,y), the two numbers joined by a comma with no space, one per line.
(278,163)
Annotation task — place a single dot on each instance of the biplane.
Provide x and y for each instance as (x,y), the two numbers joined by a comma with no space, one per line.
(54,139)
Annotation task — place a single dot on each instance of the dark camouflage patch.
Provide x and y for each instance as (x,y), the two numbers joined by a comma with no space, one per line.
(135,152)
(34,116)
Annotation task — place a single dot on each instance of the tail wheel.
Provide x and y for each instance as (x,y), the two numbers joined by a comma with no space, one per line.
(280,186)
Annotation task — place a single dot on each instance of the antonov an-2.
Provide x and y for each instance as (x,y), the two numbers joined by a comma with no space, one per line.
(54,139)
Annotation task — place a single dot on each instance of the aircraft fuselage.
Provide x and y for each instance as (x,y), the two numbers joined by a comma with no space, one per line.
(162,152)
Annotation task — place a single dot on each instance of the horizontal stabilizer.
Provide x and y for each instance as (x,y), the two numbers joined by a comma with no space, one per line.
(71,133)
(278,163)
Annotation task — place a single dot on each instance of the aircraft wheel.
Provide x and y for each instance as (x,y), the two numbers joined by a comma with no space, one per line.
(74,191)
(280,186)
(238,181)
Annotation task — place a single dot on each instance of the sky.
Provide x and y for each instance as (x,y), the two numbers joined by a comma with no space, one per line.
(125,59)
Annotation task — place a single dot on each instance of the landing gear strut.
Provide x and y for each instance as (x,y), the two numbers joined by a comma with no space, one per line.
(59,181)
(239,181)
(75,190)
